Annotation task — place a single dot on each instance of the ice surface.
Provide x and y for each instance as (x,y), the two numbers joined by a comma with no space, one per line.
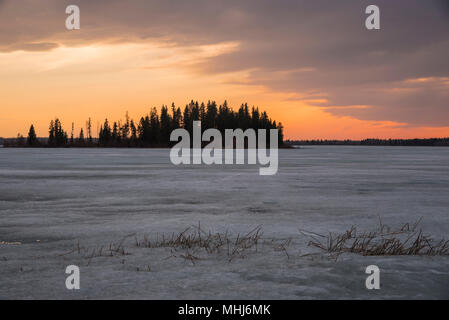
(52,198)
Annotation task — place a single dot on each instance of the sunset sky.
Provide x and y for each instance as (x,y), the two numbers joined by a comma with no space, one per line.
(311,64)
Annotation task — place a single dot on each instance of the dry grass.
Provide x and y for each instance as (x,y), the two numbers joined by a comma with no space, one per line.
(188,244)
(385,241)
(194,244)
(194,239)
(110,250)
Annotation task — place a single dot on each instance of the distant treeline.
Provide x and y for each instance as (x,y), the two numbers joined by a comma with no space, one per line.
(432,142)
(153,129)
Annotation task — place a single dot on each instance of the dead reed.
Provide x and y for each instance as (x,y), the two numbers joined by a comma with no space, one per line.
(111,250)
(385,241)
(193,239)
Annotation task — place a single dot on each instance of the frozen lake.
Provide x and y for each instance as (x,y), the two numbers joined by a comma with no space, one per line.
(51,199)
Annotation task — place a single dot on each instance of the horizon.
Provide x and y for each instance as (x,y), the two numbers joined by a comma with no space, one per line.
(319,71)
(99,123)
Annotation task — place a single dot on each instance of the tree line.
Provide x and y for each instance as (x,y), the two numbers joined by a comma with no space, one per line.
(154,129)
(433,142)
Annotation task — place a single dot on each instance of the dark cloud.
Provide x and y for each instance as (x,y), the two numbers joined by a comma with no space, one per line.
(313,48)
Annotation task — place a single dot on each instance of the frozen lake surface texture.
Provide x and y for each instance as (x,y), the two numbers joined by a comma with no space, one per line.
(89,207)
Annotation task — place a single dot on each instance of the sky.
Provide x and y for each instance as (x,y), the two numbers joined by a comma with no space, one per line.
(312,65)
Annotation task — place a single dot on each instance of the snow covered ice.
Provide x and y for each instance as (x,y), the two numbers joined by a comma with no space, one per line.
(53,199)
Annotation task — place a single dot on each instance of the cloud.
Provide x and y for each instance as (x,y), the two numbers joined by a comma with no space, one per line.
(317,50)
(39,46)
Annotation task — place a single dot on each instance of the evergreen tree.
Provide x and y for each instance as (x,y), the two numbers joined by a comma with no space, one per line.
(155,130)
(125,128)
(211,115)
(144,130)
(176,117)
(154,127)
(133,132)
(202,113)
(57,136)
(81,139)
(51,133)
(89,130)
(280,128)
(72,134)
(166,125)
(32,139)
(187,120)
(105,135)
(115,134)
(255,118)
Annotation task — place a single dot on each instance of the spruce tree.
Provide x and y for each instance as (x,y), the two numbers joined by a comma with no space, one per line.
(32,139)
(81,139)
